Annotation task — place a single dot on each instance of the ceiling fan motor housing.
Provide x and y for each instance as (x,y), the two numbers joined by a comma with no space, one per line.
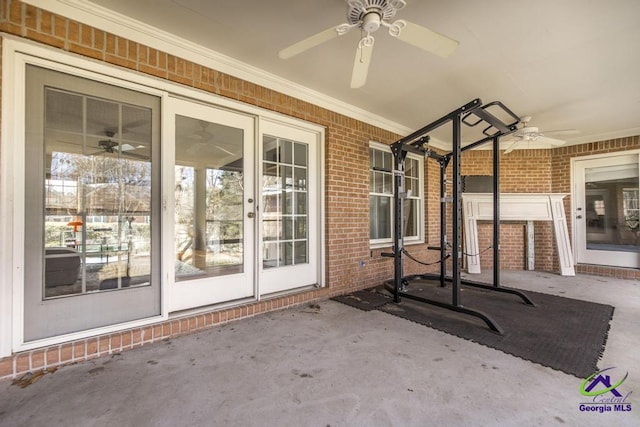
(371,22)
(370,13)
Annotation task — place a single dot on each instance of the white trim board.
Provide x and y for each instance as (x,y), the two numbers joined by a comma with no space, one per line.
(517,207)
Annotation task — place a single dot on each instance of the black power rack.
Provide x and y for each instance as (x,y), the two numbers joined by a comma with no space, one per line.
(472,114)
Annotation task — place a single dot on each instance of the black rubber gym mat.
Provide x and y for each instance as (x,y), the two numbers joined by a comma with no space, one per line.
(562,333)
(364,300)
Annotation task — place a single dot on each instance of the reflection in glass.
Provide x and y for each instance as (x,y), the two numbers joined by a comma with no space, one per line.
(284,202)
(97,233)
(208,199)
(611,210)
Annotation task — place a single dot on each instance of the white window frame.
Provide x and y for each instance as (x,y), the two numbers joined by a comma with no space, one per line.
(419,237)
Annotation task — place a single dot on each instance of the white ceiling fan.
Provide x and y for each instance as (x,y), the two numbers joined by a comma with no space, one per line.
(531,133)
(369,16)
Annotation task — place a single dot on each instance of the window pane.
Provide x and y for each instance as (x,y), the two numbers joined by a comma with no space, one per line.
(300,155)
(270,149)
(286,152)
(388,183)
(287,176)
(287,226)
(286,253)
(269,254)
(301,203)
(301,252)
(300,178)
(301,228)
(380,217)
(410,218)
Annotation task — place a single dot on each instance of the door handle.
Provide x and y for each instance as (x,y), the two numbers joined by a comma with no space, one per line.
(251,215)
(578,216)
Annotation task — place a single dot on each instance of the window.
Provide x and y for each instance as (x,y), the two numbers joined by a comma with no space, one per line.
(381,196)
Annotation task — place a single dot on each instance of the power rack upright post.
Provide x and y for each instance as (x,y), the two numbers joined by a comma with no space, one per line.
(472,114)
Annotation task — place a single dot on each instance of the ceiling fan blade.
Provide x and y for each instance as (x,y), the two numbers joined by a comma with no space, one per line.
(313,41)
(135,155)
(128,147)
(423,38)
(361,62)
(562,132)
(511,147)
(550,141)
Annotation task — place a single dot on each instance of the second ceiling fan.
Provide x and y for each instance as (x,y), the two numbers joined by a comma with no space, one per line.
(369,16)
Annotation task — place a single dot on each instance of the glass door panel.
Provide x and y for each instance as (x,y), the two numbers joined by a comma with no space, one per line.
(213,205)
(607,211)
(209,211)
(97,194)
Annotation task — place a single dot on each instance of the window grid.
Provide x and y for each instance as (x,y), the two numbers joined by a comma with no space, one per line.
(284,204)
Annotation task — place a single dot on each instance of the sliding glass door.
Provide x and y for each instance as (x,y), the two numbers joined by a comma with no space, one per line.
(607,207)
(91,221)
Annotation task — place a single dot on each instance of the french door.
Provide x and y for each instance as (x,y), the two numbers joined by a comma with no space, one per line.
(231,242)
(606,210)
(289,209)
(211,251)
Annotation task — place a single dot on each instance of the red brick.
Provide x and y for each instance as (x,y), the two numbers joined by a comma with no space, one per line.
(6,367)
(52,356)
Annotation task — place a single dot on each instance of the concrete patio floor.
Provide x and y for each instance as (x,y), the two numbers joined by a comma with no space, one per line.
(328,364)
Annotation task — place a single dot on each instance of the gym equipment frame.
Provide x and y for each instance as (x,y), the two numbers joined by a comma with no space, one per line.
(470,114)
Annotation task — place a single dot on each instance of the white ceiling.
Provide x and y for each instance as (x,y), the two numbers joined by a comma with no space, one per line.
(570,64)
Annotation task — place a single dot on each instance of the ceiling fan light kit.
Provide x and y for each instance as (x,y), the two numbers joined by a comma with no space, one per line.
(369,16)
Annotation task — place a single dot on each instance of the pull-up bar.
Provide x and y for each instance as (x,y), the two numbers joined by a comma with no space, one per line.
(471,114)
